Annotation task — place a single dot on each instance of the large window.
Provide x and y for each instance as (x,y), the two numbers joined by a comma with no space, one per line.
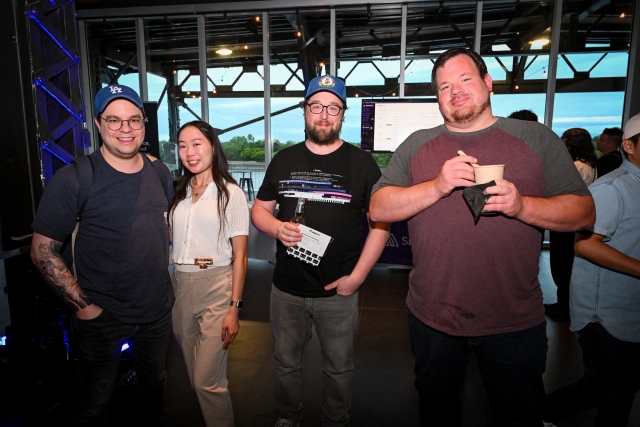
(299,51)
(515,41)
(368,60)
(592,68)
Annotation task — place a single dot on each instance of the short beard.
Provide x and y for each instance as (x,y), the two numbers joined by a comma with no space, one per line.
(323,137)
(464,117)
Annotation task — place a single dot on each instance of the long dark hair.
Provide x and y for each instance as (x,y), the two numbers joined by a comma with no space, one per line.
(580,145)
(219,170)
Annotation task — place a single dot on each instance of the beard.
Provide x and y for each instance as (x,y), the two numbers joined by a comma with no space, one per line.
(468,115)
(322,136)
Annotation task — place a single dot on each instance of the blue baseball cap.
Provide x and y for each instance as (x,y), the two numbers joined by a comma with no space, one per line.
(327,83)
(109,93)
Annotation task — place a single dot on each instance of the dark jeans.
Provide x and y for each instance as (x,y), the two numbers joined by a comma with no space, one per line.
(561,262)
(336,322)
(511,366)
(97,343)
(610,381)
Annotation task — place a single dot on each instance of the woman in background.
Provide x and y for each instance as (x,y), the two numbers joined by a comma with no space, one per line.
(580,145)
(210,225)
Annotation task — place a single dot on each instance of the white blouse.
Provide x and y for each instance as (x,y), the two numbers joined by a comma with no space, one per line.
(587,172)
(196,228)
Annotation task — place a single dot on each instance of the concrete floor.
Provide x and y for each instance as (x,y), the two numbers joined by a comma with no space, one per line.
(383,392)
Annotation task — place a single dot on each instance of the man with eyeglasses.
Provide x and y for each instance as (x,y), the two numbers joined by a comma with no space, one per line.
(120,290)
(332,181)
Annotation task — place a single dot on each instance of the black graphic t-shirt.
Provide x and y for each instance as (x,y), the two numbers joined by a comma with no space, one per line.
(336,188)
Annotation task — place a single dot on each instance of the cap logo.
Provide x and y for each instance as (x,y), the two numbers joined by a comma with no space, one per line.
(326,82)
(115,89)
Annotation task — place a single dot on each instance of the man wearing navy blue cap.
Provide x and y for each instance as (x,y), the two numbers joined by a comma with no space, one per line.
(120,290)
(332,180)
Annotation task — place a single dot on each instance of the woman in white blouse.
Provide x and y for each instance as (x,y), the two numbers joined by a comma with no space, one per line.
(581,148)
(210,224)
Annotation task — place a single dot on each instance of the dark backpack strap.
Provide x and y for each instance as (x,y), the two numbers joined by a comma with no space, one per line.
(85,173)
(158,168)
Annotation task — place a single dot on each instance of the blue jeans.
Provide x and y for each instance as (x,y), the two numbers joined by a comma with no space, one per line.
(336,322)
(610,381)
(511,366)
(97,343)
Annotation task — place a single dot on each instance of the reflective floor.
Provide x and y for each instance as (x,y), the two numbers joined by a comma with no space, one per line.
(383,392)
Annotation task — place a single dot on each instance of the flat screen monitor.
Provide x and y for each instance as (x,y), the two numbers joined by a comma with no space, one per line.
(386,123)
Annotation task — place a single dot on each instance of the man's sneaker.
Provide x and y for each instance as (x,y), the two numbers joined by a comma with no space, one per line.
(283,422)
(546,424)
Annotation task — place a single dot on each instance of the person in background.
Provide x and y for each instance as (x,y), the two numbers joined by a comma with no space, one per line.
(210,223)
(580,145)
(609,144)
(121,291)
(605,298)
(474,286)
(526,115)
(331,180)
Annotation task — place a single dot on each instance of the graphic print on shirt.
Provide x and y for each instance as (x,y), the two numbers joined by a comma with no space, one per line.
(315,185)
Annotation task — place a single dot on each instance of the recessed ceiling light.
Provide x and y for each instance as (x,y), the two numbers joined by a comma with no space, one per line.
(224,51)
(540,42)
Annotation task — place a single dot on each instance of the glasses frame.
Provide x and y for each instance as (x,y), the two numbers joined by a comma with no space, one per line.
(325,107)
(143,121)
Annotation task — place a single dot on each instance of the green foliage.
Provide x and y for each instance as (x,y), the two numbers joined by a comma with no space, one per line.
(595,140)
(277,145)
(382,159)
(248,149)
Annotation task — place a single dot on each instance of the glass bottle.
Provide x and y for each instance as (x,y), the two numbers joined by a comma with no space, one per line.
(298,217)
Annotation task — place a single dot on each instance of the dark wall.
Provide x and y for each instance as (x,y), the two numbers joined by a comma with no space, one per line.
(20,183)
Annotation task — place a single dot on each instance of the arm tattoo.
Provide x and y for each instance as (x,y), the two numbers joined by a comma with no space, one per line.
(58,277)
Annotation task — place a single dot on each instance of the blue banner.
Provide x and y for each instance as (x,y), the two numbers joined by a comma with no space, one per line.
(398,247)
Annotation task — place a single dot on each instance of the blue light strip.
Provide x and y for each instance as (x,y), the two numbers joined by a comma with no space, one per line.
(56,151)
(3,341)
(32,15)
(41,84)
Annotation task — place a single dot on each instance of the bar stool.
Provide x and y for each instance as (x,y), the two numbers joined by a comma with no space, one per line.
(247,184)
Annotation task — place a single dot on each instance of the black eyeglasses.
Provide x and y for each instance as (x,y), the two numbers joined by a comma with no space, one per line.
(332,110)
(115,123)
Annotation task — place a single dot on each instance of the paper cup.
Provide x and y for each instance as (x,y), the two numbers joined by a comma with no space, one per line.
(488,173)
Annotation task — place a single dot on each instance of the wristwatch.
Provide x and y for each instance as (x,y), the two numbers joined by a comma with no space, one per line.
(237,304)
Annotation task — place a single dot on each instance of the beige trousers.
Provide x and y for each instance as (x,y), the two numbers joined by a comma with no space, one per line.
(202,301)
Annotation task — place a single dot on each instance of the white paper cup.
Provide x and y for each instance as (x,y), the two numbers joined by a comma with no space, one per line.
(488,173)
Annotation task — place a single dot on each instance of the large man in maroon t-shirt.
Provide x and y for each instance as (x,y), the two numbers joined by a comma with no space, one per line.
(474,286)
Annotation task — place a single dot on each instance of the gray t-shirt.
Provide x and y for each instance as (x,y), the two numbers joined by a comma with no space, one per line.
(480,279)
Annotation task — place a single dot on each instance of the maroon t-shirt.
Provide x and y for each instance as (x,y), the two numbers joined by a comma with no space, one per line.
(480,279)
